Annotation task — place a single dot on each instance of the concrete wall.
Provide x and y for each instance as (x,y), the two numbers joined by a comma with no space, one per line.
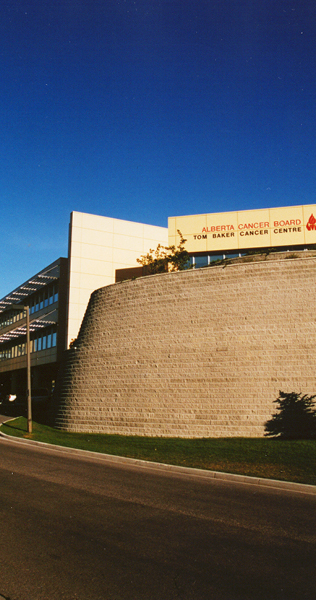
(193,354)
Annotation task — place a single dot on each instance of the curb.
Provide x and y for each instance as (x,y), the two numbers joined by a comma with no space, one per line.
(202,473)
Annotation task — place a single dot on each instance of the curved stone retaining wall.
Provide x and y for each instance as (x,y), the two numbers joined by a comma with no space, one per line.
(201,353)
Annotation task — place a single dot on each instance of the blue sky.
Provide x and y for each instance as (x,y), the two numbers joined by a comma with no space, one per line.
(144,109)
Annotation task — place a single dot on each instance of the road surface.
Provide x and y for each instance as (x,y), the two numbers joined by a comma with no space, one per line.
(77,527)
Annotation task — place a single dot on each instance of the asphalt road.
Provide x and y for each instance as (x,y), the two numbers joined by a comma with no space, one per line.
(75,527)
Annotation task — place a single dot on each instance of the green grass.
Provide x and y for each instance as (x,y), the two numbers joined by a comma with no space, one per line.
(293,460)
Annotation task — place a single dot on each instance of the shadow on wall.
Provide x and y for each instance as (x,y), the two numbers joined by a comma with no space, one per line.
(295,417)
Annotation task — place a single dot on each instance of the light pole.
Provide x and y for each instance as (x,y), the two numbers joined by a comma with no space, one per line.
(28,368)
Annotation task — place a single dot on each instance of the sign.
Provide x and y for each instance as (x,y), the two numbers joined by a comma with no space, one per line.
(235,231)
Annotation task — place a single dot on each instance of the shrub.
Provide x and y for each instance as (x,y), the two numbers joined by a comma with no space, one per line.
(295,417)
(166,258)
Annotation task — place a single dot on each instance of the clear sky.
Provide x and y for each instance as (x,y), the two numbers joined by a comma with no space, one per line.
(144,109)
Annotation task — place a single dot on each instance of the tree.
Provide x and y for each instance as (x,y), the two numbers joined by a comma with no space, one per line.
(295,419)
(166,258)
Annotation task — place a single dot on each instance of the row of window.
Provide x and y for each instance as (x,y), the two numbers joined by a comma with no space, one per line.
(203,261)
(197,262)
(10,318)
(37,302)
(39,341)
(44,298)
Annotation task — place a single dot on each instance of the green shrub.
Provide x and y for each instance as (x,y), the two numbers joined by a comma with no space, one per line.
(166,258)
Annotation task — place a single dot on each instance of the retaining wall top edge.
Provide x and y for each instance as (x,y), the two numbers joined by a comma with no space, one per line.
(245,261)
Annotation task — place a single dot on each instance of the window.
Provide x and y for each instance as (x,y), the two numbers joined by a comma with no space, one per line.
(200,261)
(203,261)
(214,257)
(5,354)
(21,349)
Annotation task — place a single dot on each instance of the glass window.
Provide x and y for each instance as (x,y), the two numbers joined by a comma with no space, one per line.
(21,349)
(49,340)
(44,342)
(201,261)
(39,344)
(54,339)
(214,257)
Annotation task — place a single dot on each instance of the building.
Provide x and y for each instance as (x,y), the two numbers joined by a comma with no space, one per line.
(58,295)
(223,235)
(103,250)
(46,296)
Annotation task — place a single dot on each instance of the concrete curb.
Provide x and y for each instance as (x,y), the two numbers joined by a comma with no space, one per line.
(202,473)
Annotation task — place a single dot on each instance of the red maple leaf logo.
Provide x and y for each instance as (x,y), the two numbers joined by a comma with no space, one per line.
(311,223)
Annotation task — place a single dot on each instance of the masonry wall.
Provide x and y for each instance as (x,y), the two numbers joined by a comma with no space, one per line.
(200,353)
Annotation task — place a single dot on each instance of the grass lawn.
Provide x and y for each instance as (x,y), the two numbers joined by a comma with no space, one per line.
(293,460)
